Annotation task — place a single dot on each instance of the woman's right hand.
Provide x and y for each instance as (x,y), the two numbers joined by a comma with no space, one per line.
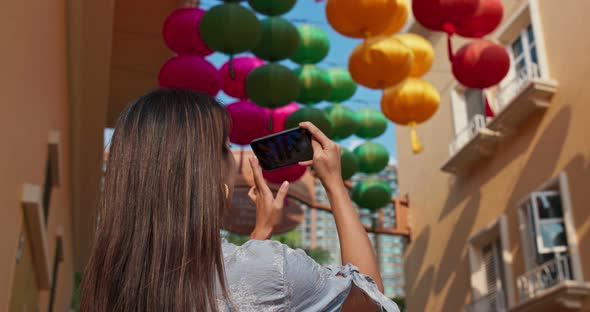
(326,156)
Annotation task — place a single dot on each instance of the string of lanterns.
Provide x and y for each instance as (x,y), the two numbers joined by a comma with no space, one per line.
(386,61)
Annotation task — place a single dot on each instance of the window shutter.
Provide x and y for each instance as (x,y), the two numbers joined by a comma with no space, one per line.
(490,264)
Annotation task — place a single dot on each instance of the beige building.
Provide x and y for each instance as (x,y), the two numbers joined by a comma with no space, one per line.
(500,206)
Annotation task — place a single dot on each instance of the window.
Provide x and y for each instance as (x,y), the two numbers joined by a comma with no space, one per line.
(489,259)
(523,51)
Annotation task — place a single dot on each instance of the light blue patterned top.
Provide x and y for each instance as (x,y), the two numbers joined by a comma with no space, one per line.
(269,276)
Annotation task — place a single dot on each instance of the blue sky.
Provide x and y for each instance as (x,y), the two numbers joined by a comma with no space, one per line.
(312,12)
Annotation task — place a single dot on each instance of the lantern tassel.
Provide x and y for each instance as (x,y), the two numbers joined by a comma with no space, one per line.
(450,30)
(416,146)
(232,74)
(241,160)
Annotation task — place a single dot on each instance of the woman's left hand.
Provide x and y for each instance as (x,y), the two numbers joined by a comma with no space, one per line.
(269,209)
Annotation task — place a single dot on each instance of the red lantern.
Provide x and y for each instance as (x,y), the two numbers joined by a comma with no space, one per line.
(481,64)
(242,66)
(291,174)
(444,15)
(487,17)
(249,121)
(181,32)
(279,115)
(190,72)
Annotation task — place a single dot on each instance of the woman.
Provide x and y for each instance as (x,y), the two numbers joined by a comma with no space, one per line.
(158,247)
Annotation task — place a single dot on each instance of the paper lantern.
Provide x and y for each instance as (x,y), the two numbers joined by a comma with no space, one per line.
(291,174)
(487,17)
(230,28)
(279,115)
(343,119)
(272,7)
(371,194)
(360,19)
(314,84)
(343,87)
(399,20)
(412,102)
(181,32)
(192,72)
(279,40)
(313,115)
(371,123)
(421,50)
(242,66)
(313,47)
(481,64)
(349,163)
(445,15)
(380,63)
(373,157)
(249,122)
(272,85)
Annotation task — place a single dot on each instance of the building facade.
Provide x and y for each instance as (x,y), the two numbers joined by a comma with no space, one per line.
(319,231)
(499,203)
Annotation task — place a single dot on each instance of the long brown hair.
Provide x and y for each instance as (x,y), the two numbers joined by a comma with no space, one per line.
(158,244)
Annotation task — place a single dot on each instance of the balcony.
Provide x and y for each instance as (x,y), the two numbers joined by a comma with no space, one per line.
(550,287)
(492,302)
(470,146)
(522,97)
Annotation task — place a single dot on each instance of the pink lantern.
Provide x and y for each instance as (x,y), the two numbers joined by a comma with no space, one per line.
(249,121)
(190,72)
(481,64)
(242,66)
(279,115)
(181,32)
(291,174)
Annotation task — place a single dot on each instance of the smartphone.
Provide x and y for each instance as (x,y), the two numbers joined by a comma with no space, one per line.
(283,149)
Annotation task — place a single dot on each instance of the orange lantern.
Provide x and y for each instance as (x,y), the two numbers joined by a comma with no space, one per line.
(410,103)
(399,19)
(422,51)
(360,18)
(380,62)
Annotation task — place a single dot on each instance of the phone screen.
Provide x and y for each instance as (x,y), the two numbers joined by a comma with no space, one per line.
(283,149)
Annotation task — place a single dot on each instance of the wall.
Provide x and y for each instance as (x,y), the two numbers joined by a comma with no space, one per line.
(34,89)
(446,210)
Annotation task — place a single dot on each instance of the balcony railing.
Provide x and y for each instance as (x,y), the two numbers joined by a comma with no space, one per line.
(476,124)
(507,92)
(538,280)
(492,302)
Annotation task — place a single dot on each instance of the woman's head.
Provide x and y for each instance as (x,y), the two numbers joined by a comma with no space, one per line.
(158,246)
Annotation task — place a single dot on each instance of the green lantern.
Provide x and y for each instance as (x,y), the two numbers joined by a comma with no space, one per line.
(372,123)
(230,28)
(272,7)
(279,40)
(343,87)
(343,121)
(272,85)
(314,45)
(373,157)
(313,115)
(349,163)
(314,84)
(371,194)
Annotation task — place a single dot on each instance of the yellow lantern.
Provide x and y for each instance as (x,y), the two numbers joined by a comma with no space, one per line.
(360,18)
(410,103)
(399,19)
(380,62)
(422,51)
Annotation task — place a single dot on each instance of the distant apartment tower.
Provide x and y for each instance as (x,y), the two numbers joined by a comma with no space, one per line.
(319,231)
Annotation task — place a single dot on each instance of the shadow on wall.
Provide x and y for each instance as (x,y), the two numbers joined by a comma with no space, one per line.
(460,286)
(419,304)
(543,159)
(455,251)
(417,254)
